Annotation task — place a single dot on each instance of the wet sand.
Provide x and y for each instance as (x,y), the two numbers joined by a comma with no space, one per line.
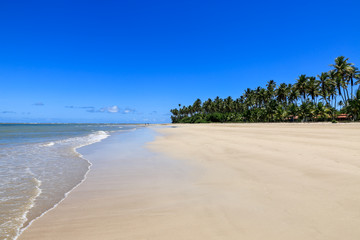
(216,181)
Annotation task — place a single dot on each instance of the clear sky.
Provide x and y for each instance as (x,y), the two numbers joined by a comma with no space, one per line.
(132,61)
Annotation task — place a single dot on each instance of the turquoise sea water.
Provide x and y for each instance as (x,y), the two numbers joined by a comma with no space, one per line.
(39,165)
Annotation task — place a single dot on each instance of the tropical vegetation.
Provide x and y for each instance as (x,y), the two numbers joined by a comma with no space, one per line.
(310,98)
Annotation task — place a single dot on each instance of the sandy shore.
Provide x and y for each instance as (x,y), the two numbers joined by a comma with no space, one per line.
(225,181)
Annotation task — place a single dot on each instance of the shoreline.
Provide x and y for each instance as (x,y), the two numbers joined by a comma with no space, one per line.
(86,151)
(217,181)
(75,149)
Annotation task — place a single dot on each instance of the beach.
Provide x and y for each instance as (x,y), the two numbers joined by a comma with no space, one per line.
(215,181)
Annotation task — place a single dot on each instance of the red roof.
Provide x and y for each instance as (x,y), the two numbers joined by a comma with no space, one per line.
(342,116)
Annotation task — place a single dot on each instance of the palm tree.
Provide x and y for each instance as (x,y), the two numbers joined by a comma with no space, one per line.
(175,116)
(196,106)
(288,92)
(281,94)
(217,104)
(335,85)
(354,74)
(293,110)
(357,77)
(280,113)
(270,87)
(341,70)
(229,104)
(306,110)
(313,88)
(248,96)
(279,103)
(322,111)
(301,86)
(324,86)
(294,94)
(207,106)
(353,107)
(263,97)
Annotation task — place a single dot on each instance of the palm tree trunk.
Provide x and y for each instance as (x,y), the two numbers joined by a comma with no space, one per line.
(347,94)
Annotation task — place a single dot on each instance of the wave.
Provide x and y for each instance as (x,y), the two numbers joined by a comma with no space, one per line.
(48,144)
(92,138)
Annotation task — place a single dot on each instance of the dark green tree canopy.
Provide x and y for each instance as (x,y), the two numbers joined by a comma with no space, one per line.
(310,98)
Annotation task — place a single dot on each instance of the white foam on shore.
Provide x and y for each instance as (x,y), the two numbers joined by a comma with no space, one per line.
(32,203)
(48,144)
(23,218)
(92,138)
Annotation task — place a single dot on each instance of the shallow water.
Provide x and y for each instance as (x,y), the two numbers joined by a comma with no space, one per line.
(39,165)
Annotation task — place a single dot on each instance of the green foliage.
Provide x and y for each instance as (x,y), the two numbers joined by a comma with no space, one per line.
(201,121)
(215,117)
(309,99)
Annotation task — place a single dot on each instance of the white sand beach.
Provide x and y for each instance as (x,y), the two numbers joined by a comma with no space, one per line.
(215,181)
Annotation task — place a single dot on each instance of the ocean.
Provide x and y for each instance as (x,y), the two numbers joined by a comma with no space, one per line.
(39,166)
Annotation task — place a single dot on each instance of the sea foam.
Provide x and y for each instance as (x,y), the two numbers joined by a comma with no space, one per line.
(36,175)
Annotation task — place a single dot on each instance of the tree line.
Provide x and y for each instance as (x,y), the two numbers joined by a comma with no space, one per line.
(320,98)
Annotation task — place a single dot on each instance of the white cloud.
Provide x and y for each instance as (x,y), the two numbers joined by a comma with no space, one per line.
(128,110)
(111,109)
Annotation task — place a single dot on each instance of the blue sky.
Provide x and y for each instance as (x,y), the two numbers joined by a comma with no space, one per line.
(132,61)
